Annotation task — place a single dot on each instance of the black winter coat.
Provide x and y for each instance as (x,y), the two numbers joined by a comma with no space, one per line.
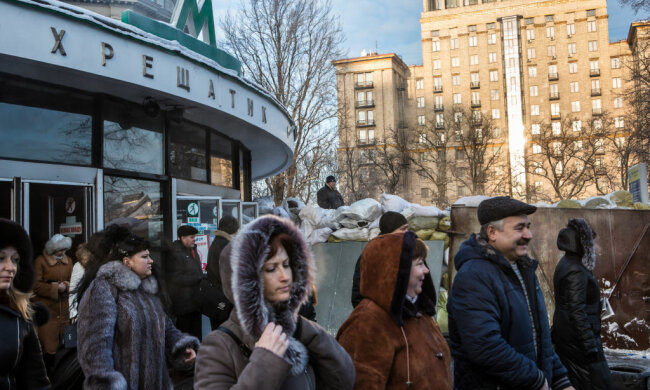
(576,325)
(490,328)
(329,198)
(214,303)
(356,297)
(21,361)
(183,275)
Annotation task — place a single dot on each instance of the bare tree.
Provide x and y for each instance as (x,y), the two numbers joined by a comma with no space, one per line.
(389,160)
(637,120)
(286,46)
(637,5)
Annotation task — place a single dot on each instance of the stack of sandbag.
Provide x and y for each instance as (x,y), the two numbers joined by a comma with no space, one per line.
(317,224)
(265,205)
(293,206)
(425,221)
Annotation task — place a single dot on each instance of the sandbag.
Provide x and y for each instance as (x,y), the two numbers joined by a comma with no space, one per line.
(319,218)
(333,239)
(420,223)
(471,201)
(444,224)
(374,224)
(441,236)
(424,234)
(374,232)
(351,223)
(425,211)
(359,234)
(363,210)
(568,204)
(596,202)
(393,203)
(441,313)
(280,212)
(293,204)
(621,198)
(319,235)
(641,206)
(265,204)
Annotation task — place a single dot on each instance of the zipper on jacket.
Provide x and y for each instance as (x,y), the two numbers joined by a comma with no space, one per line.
(311,386)
(17,341)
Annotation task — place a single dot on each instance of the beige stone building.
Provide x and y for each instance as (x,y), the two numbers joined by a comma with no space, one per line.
(533,85)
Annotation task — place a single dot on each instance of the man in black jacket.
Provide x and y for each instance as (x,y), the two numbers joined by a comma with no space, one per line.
(217,306)
(329,197)
(184,273)
(576,322)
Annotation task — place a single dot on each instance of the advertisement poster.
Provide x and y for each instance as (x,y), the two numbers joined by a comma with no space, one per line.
(202,248)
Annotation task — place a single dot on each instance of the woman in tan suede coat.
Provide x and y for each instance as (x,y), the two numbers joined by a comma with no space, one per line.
(53,269)
(265,345)
(391,335)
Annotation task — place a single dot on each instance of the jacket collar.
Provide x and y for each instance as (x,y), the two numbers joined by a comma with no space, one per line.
(51,261)
(121,276)
(480,249)
(221,233)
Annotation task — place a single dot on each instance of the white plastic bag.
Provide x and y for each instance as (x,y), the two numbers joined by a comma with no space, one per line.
(393,203)
(319,235)
(471,201)
(359,234)
(363,210)
(426,211)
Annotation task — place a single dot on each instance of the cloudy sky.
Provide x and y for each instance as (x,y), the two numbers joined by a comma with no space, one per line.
(393,26)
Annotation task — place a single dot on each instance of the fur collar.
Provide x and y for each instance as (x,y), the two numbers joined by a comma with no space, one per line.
(221,233)
(51,261)
(121,276)
(249,252)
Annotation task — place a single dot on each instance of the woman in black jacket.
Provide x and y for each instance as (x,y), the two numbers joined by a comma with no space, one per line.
(21,361)
(576,322)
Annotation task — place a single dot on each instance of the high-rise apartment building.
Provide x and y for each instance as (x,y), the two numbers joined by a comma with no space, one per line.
(513,97)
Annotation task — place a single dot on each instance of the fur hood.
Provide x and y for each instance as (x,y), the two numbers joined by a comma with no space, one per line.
(244,286)
(578,239)
(119,275)
(387,261)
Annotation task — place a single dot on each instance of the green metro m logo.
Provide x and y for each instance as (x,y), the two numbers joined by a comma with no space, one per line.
(182,11)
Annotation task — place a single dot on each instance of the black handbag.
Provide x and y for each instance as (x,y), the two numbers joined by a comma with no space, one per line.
(70,336)
(212,301)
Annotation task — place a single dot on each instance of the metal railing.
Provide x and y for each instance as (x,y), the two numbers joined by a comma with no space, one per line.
(554,96)
(370,122)
(363,84)
(475,84)
(553,76)
(594,72)
(364,103)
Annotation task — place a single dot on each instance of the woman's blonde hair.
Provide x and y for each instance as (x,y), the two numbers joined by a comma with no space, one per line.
(21,301)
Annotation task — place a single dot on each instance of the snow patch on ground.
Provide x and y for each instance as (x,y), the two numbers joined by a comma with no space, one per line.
(637,322)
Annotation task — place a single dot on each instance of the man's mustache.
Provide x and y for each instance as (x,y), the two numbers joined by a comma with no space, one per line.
(523,241)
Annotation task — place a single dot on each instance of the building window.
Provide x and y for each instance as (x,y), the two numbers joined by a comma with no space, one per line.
(492,39)
(492,57)
(476,98)
(534,110)
(458,117)
(552,70)
(537,149)
(187,151)
(538,168)
(555,109)
(435,46)
(494,75)
(473,59)
(553,90)
(490,26)
(494,94)
(557,148)
(570,29)
(558,168)
(575,88)
(531,53)
(573,67)
(496,132)
(473,41)
(549,18)
(421,120)
(556,128)
(591,12)
(419,84)
(619,122)
(496,113)
(591,26)
(471,28)
(457,98)
(453,44)
(550,51)
(422,138)
(616,82)
(455,62)
(530,34)
(437,82)
(620,141)
(577,145)
(424,193)
(532,71)
(593,66)
(576,125)
(593,45)
(550,32)
(461,191)
(616,63)
(575,106)
(530,20)
(535,129)
(571,47)
(460,154)
(435,33)
(420,101)
(533,90)
(455,79)
(436,64)
(618,102)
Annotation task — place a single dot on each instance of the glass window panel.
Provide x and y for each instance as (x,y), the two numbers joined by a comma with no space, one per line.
(135,203)
(221,173)
(132,140)
(187,151)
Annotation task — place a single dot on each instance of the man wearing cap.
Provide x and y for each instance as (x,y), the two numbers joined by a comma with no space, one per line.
(498,326)
(184,274)
(328,196)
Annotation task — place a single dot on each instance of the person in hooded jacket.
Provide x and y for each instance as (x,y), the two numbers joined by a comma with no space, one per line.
(576,321)
(267,272)
(21,362)
(391,335)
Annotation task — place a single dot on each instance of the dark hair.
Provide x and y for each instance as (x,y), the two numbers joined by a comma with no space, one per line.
(229,224)
(420,249)
(284,240)
(113,243)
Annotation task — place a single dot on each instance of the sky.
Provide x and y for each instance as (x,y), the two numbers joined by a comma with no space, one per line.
(394,26)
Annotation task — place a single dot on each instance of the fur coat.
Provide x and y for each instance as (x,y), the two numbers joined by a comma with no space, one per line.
(124,336)
(391,341)
(576,321)
(314,359)
(49,273)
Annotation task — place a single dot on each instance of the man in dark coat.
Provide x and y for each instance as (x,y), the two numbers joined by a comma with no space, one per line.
(576,322)
(388,223)
(184,273)
(219,307)
(498,326)
(329,197)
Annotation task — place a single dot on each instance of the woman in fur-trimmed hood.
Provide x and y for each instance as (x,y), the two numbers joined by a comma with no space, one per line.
(124,336)
(391,335)
(576,321)
(266,271)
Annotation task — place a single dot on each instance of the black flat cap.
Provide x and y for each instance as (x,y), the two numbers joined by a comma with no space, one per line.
(186,230)
(330,179)
(500,207)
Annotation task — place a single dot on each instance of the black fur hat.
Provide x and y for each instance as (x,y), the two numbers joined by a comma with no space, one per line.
(12,234)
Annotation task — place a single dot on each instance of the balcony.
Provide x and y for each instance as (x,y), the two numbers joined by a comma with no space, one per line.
(440,125)
(476,103)
(439,107)
(596,111)
(363,84)
(364,103)
(553,76)
(437,89)
(556,115)
(554,96)
(595,92)
(594,72)
(475,85)
(366,123)
(366,141)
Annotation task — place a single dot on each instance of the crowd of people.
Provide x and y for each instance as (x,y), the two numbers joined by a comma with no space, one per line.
(138,324)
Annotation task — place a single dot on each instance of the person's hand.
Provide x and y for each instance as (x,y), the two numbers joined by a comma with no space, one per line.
(190,355)
(62,287)
(273,339)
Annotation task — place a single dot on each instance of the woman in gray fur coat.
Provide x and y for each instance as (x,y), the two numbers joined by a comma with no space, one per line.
(124,335)
(266,271)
